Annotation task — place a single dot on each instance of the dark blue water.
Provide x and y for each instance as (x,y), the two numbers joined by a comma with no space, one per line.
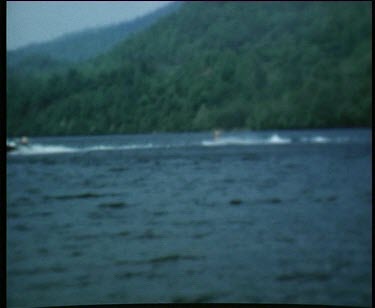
(268,217)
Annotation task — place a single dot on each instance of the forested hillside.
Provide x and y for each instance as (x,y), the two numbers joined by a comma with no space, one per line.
(254,65)
(83,45)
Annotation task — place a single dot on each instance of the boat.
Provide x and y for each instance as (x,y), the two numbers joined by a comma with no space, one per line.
(13,145)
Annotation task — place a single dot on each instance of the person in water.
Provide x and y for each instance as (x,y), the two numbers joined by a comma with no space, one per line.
(24,140)
(217,133)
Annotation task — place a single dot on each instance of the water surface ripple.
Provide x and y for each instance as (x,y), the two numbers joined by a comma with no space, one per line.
(273,217)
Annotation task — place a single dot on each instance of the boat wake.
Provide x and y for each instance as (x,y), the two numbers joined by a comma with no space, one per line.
(253,140)
(37,149)
(224,141)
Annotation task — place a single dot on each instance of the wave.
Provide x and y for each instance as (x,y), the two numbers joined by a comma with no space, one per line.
(43,149)
(274,139)
(37,149)
(321,139)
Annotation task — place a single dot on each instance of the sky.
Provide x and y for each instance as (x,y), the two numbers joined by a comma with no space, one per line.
(39,21)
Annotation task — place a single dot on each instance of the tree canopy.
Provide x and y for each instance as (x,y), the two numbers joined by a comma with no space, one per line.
(253,65)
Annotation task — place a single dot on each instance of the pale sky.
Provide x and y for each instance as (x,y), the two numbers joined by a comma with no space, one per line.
(40,21)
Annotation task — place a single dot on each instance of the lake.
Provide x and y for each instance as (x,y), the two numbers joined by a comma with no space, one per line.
(248,217)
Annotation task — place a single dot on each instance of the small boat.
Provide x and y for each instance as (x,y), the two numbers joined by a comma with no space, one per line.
(12,145)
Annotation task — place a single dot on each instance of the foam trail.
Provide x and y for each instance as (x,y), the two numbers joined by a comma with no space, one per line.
(274,139)
(121,147)
(43,149)
(320,139)
(38,149)
(315,139)
(230,140)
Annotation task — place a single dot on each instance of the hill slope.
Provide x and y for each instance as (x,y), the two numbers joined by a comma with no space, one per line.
(79,46)
(255,65)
